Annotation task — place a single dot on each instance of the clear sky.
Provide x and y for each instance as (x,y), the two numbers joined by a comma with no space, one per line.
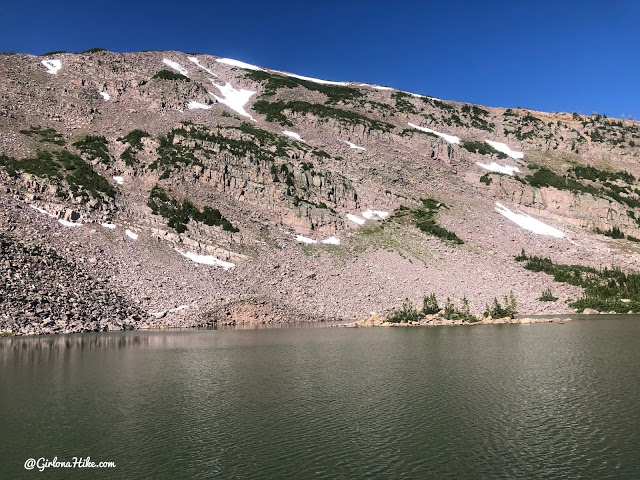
(546,55)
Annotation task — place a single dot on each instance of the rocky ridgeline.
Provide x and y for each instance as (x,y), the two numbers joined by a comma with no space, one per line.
(43,293)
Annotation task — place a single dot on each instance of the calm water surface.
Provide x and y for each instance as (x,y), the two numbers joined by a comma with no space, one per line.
(510,401)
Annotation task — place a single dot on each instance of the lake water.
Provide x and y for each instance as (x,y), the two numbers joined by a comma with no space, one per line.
(508,401)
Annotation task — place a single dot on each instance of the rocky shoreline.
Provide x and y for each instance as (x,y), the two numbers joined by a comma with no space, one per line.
(435,320)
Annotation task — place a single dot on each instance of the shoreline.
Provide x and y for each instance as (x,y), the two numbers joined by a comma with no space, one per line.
(437,321)
(368,322)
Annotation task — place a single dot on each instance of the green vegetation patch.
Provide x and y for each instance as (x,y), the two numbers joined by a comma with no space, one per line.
(134,139)
(604,289)
(274,112)
(62,165)
(95,147)
(424,218)
(403,103)
(409,313)
(482,148)
(498,310)
(96,50)
(544,177)
(547,296)
(171,75)
(179,213)
(46,135)
(272,82)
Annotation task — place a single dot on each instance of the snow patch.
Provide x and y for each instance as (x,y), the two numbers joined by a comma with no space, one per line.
(105,95)
(528,222)
(42,210)
(119,180)
(206,259)
(293,135)
(312,79)
(331,241)
(353,145)
(234,98)
(504,148)
(355,219)
(237,63)
(67,223)
(197,105)
(377,87)
(495,167)
(303,239)
(176,66)
(131,235)
(108,225)
(197,62)
(52,66)
(375,214)
(448,138)
(177,309)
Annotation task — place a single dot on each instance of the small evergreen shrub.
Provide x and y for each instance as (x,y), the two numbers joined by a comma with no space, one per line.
(430,305)
(547,296)
(407,313)
(171,75)
(497,310)
(46,135)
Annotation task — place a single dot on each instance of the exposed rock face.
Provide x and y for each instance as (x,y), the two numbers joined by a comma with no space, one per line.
(259,225)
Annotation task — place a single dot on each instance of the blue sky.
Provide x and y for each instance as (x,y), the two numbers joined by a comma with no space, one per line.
(546,55)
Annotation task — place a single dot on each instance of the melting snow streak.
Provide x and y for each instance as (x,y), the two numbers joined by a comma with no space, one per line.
(448,138)
(52,66)
(529,223)
(234,98)
(495,167)
(237,63)
(176,66)
(197,62)
(206,259)
(501,147)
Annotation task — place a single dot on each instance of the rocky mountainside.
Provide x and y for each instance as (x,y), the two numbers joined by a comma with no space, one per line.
(197,189)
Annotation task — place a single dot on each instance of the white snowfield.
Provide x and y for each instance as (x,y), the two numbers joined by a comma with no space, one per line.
(118,180)
(234,98)
(108,225)
(237,63)
(292,135)
(448,138)
(355,219)
(502,147)
(192,105)
(353,145)
(331,241)
(377,87)
(495,167)
(131,235)
(206,259)
(176,66)
(42,210)
(197,62)
(52,66)
(303,239)
(312,79)
(105,95)
(528,222)
(375,214)
(67,223)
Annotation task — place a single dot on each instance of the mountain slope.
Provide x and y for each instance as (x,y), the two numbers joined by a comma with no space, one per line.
(191,180)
